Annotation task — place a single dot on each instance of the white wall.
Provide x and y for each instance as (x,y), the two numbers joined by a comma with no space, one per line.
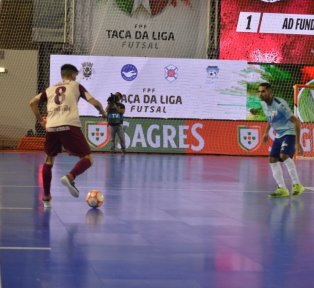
(17,87)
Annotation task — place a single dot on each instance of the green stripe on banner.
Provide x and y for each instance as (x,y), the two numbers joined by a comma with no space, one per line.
(125,5)
(142,135)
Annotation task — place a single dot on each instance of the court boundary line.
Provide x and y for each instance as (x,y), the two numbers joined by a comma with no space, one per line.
(16,208)
(24,248)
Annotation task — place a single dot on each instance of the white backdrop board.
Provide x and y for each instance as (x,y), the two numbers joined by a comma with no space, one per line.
(162,87)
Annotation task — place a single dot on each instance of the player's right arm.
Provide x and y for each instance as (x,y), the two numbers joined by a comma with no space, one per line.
(98,106)
(34,106)
(266,134)
(91,100)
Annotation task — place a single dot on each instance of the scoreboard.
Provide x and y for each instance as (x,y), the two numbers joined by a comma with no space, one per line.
(268,31)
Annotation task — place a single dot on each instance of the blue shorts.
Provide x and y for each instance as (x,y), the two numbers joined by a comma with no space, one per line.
(285,145)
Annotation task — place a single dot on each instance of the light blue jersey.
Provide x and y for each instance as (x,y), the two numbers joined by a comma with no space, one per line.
(278,115)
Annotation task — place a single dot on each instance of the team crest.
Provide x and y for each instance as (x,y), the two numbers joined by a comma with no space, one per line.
(97,133)
(212,72)
(87,68)
(249,137)
(129,72)
(171,73)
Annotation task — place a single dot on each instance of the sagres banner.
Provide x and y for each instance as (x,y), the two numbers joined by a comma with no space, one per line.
(154,28)
(183,136)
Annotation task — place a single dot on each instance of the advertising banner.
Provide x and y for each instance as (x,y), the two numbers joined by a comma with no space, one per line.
(191,136)
(150,28)
(162,87)
(268,31)
(181,136)
(282,78)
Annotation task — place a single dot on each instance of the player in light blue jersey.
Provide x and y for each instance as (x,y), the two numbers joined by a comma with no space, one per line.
(287,141)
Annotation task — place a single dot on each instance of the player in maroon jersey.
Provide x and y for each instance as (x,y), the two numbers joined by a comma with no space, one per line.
(63,128)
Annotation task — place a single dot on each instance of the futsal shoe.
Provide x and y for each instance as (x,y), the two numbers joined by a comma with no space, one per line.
(47,201)
(71,186)
(279,192)
(297,189)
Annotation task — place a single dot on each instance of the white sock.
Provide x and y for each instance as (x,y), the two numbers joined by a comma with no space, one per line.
(277,174)
(292,170)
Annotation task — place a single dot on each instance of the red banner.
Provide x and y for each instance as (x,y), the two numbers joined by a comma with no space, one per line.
(231,137)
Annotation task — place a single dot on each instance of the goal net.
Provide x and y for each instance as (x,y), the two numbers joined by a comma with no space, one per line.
(304,110)
(31,31)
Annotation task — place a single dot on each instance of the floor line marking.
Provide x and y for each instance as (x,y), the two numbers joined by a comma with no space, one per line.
(15,208)
(20,186)
(24,248)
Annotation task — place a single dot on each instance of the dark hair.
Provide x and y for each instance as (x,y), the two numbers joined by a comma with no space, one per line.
(118,94)
(69,68)
(266,85)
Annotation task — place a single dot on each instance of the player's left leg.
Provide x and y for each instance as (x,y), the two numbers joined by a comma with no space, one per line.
(81,166)
(275,165)
(286,154)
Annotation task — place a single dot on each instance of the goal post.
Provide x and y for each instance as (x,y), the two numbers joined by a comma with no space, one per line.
(304,111)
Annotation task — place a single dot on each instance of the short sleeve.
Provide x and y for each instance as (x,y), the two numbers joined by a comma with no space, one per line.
(285,109)
(84,93)
(42,96)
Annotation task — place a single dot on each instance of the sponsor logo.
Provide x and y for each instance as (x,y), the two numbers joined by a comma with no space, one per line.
(249,137)
(87,69)
(171,73)
(97,133)
(212,72)
(129,72)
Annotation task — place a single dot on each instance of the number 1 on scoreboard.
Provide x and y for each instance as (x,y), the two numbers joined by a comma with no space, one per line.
(248,22)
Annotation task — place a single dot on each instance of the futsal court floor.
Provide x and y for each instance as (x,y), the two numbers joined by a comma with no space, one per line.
(169,221)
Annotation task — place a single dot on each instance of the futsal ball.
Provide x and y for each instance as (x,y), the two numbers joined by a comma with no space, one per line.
(95,198)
